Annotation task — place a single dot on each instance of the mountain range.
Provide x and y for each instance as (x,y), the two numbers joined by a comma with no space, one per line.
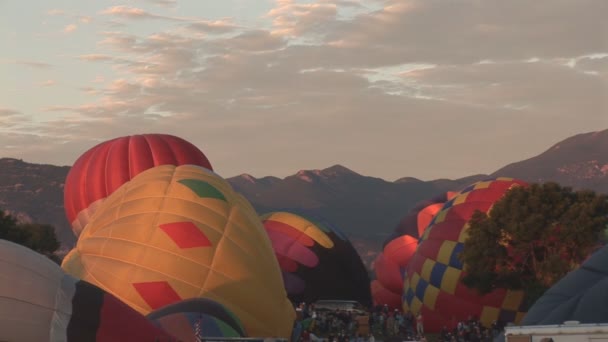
(366,208)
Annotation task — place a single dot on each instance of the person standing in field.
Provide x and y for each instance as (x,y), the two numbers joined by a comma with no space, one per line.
(419,324)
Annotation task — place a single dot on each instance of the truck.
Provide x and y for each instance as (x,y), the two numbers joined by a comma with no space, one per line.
(569,331)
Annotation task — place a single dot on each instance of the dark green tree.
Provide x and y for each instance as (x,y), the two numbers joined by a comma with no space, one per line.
(39,237)
(532,237)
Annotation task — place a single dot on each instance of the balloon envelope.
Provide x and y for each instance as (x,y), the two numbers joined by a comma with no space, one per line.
(197,317)
(174,233)
(433,276)
(317,260)
(399,248)
(39,302)
(580,296)
(105,167)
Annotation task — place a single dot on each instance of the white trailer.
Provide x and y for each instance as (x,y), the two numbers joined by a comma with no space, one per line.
(570,331)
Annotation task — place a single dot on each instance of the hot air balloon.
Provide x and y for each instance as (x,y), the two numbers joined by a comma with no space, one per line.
(579,296)
(105,167)
(387,287)
(174,233)
(39,302)
(399,248)
(433,275)
(317,260)
(198,318)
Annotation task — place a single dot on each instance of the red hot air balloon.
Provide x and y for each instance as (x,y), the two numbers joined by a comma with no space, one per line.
(432,283)
(105,167)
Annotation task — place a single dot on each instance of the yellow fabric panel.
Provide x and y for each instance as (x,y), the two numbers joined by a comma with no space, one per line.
(414,282)
(513,300)
(304,226)
(71,262)
(518,317)
(430,296)
(426,233)
(441,215)
(123,245)
(427,267)
(464,232)
(405,306)
(483,185)
(416,305)
(445,252)
(450,280)
(489,314)
(461,198)
(505,179)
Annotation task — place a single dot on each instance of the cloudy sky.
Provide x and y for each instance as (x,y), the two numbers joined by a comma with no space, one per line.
(427,89)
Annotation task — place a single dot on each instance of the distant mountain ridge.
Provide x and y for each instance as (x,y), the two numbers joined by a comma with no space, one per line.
(580,161)
(366,208)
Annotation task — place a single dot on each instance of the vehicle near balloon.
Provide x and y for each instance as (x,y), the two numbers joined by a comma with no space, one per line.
(180,232)
(317,260)
(433,279)
(39,302)
(569,331)
(101,170)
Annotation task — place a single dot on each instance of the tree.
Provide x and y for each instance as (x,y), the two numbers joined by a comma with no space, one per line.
(533,237)
(39,237)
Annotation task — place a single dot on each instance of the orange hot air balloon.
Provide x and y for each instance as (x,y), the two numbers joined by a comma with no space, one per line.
(174,233)
(399,248)
(433,275)
(105,167)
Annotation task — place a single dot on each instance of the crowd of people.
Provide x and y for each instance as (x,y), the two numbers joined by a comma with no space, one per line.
(382,324)
(471,330)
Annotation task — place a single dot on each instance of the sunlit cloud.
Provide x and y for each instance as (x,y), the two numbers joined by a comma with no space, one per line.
(33,64)
(70,28)
(55,12)
(392,72)
(47,83)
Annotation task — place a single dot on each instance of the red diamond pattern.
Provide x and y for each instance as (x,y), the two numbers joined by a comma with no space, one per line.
(185,234)
(157,293)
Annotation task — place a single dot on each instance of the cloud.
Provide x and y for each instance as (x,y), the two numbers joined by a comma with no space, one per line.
(215,26)
(5,112)
(163,3)
(128,12)
(33,64)
(466,31)
(295,19)
(11,119)
(53,12)
(393,91)
(95,58)
(47,83)
(70,28)
(85,19)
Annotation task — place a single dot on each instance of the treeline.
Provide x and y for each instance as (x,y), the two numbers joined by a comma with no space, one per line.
(39,237)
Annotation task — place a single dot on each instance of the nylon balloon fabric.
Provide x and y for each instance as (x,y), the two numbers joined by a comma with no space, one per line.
(198,318)
(180,232)
(39,302)
(580,296)
(389,266)
(433,276)
(316,259)
(105,167)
